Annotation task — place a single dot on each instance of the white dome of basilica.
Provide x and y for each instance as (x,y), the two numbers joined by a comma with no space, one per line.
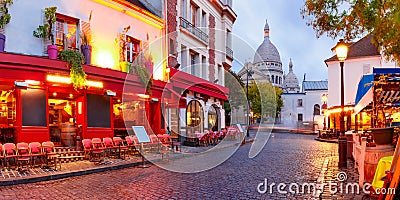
(267,52)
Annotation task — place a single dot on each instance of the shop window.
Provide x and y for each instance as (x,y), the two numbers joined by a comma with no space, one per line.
(34,107)
(98,111)
(7,107)
(132,48)
(129,113)
(194,117)
(213,119)
(66,34)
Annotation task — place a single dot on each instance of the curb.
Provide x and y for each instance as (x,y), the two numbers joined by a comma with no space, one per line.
(52,177)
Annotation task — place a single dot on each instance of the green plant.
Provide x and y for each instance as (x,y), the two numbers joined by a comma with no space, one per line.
(122,41)
(5,18)
(75,61)
(45,30)
(144,77)
(86,38)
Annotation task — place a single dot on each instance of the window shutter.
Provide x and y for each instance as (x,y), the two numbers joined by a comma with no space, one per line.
(85,30)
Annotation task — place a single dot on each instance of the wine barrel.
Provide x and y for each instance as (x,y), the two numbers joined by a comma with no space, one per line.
(68,133)
(372,157)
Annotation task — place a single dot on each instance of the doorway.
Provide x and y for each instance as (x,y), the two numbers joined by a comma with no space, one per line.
(62,119)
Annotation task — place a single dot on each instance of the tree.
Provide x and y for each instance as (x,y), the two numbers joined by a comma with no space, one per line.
(356,18)
(265,99)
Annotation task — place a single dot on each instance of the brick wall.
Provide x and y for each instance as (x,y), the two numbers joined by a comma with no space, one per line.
(172,23)
(211,44)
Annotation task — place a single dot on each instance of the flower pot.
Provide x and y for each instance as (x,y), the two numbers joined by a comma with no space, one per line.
(125,66)
(87,52)
(2,42)
(382,136)
(52,51)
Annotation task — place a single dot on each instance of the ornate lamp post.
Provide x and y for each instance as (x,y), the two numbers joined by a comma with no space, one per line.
(341,50)
(249,72)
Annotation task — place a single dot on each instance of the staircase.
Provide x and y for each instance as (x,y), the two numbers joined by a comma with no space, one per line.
(69,154)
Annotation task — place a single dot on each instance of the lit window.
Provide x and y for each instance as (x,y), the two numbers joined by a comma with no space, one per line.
(132,48)
(66,36)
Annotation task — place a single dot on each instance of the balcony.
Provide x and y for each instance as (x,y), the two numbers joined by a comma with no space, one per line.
(229,53)
(194,30)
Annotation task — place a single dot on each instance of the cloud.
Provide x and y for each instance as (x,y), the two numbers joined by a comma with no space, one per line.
(289,33)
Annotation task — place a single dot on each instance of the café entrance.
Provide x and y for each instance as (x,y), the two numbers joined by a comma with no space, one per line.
(7,113)
(62,119)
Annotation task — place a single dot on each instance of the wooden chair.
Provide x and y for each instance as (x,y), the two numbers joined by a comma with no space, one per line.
(87,148)
(109,146)
(10,152)
(24,156)
(51,155)
(97,150)
(122,148)
(133,147)
(35,152)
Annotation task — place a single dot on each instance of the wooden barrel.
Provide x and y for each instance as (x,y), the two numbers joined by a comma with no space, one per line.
(372,157)
(68,133)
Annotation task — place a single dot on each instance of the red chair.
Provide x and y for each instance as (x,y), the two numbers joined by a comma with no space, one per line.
(154,142)
(23,155)
(2,155)
(50,154)
(87,148)
(109,146)
(122,148)
(97,150)
(10,152)
(133,147)
(35,151)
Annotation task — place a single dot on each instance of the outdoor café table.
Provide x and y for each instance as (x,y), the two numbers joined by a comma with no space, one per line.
(175,143)
(383,166)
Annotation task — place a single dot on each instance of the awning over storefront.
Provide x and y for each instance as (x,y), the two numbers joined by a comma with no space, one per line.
(390,91)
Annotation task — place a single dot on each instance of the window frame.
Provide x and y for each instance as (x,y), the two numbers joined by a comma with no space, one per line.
(65,20)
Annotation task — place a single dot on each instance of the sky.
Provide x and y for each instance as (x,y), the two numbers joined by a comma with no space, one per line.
(288,32)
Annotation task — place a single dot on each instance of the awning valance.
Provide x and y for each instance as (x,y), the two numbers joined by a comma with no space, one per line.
(390,91)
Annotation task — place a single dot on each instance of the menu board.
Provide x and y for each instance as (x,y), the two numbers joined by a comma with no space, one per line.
(141,134)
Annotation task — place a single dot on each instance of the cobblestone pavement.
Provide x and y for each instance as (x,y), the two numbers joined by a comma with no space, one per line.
(287,158)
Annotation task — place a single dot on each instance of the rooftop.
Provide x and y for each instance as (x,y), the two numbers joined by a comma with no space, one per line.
(361,48)
(315,85)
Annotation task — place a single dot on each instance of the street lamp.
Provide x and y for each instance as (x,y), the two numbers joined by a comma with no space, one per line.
(341,50)
(249,72)
(324,100)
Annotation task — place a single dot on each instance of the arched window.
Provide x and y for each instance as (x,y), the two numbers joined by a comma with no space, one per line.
(272,80)
(213,119)
(317,109)
(194,117)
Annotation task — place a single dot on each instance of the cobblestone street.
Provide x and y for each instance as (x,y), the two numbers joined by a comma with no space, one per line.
(287,158)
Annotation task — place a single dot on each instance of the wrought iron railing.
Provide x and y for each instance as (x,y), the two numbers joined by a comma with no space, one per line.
(194,30)
(229,52)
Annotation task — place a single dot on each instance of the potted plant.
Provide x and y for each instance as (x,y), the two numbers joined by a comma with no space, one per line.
(5,18)
(86,48)
(124,65)
(75,61)
(45,31)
